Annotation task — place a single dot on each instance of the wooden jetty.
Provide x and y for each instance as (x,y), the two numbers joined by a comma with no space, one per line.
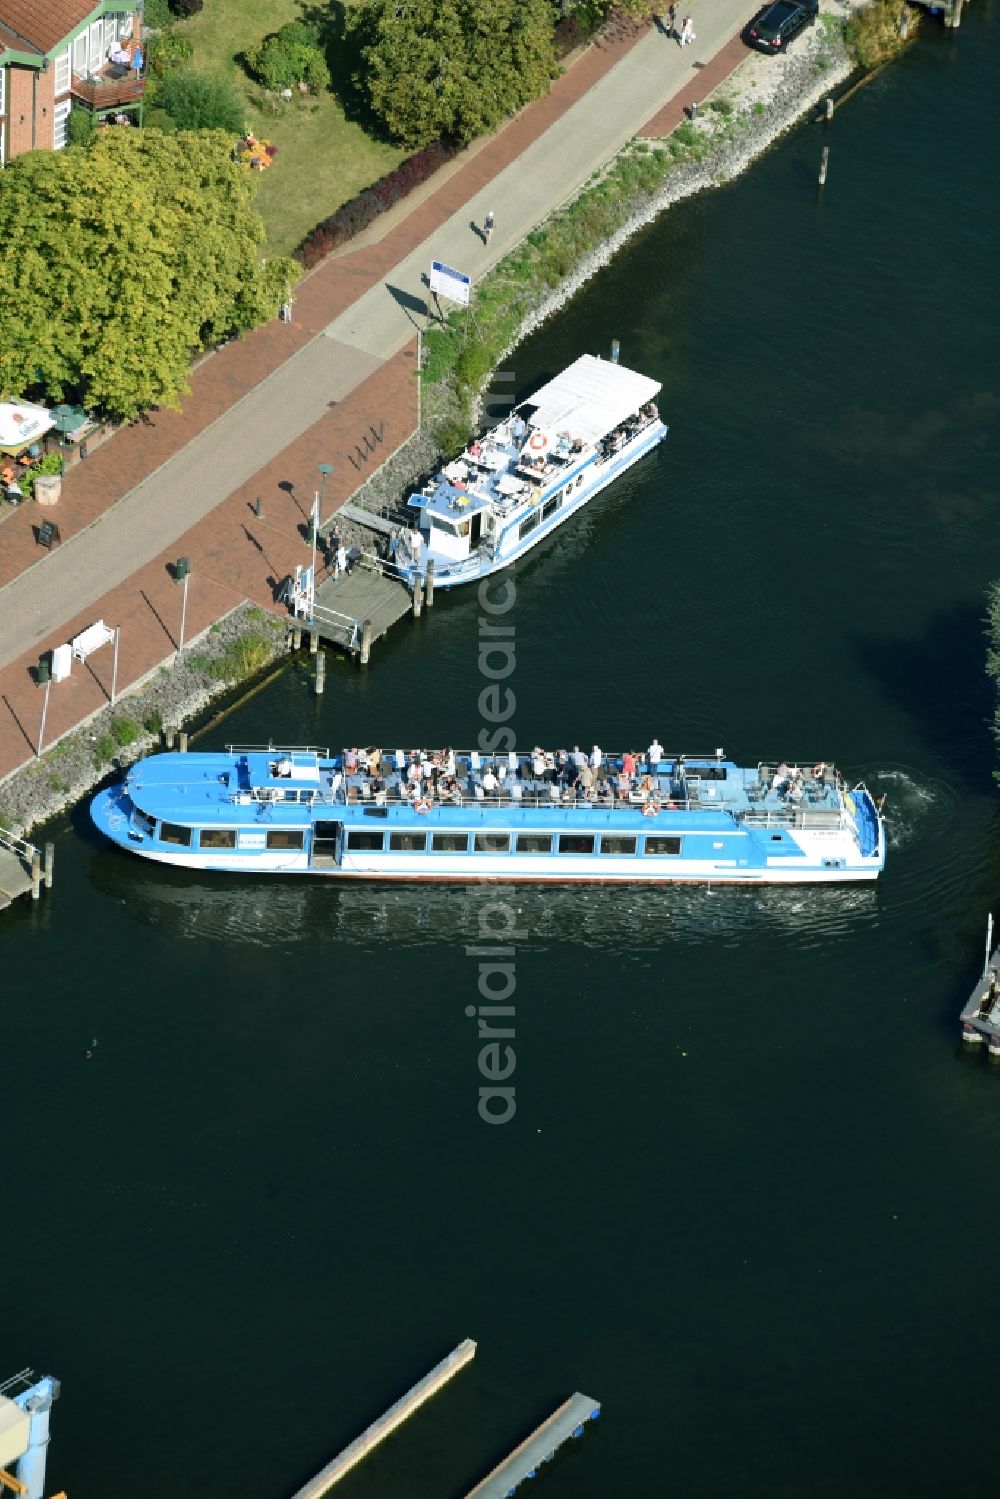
(394,1416)
(358,609)
(981,1016)
(22,871)
(524,1462)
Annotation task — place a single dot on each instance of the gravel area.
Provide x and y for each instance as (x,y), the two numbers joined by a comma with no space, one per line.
(167,698)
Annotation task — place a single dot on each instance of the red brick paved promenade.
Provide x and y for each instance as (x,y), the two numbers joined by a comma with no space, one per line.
(233,555)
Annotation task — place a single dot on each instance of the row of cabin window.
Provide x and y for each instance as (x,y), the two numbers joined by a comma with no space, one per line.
(361,839)
(549,508)
(283,838)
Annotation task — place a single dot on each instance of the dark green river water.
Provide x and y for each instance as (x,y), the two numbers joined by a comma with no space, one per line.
(749,1199)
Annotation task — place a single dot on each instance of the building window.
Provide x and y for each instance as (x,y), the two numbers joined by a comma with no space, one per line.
(62,73)
(576,843)
(663,846)
(171,833)
(613,844)
(60,123)
(492,843)
(534,843)
(3,91)
(96,45)
(285,838)
(217,838)
(80,55)
(449,843)
(407,843)
(361,840)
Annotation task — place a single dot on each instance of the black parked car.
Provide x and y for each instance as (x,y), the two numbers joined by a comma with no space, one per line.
(776,26)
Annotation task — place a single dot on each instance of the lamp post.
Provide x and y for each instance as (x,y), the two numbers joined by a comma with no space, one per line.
(182,574)
(326,469)
(114,667)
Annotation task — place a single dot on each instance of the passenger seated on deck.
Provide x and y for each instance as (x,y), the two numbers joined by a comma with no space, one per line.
(605,791)
(794,792)
(819,773)
(554,793)
(351,761)
(282,766)
(624,785)
(490,782)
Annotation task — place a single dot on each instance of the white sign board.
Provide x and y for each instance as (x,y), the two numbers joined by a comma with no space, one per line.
(447,282)
(62,662)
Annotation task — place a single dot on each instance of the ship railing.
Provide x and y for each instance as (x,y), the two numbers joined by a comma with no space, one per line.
(321,751)
(536,801)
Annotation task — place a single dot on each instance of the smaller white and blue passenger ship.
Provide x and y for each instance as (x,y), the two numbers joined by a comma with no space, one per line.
(567,816)
(513,486)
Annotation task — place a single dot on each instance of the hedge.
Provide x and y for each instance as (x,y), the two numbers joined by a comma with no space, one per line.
(354,216)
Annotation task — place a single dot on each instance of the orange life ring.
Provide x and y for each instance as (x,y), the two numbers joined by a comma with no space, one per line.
(538,440)
(650,809)
(423,806)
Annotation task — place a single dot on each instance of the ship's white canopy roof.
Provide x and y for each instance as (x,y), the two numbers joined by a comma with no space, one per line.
(590,398)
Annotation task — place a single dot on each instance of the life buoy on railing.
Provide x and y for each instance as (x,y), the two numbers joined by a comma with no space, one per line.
(650,809)
(423,806)
(538,441)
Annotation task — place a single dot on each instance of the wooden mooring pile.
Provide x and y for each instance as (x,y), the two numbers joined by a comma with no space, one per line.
(23,869)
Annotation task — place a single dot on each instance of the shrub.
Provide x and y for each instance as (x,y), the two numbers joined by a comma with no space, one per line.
(287,57)
(124,730)
(153,722)
(156,14)
(104,748)
(80,126)
(50,464)
(186,7)
(166,51)
(357,213)
(198,102)
(873,34)
(244,658)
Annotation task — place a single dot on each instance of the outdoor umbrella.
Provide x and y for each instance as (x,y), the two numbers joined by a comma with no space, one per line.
(21,425)
(68,418)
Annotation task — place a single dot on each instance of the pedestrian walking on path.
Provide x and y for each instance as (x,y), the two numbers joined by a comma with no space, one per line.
(488,223)
(687,31)
(672,20)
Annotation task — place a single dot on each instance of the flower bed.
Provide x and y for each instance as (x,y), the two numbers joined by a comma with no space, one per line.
(254,153)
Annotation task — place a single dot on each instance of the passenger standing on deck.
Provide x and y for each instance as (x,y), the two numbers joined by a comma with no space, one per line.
(628,764)
(341,563)
(596,756)
(655,752)
(416,547)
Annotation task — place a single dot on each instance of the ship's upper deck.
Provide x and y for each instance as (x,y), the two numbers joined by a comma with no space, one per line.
(300,784)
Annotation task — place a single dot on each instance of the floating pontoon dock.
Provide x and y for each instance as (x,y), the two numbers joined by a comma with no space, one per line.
(568,1421)
(394,1416)
(981,1016)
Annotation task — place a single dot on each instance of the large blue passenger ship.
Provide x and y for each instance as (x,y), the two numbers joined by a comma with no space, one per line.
(569,816)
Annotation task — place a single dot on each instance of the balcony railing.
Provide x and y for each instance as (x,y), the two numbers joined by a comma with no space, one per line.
(108,90)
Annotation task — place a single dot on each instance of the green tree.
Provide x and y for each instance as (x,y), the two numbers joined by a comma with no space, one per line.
(133,252)
(432,68)
(200,102)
